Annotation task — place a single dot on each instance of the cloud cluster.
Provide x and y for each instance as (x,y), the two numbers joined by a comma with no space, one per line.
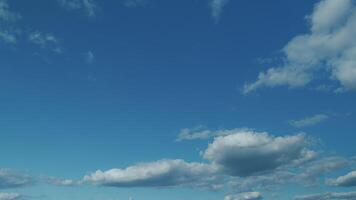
(45,40)
(9,196)
(89,6)
(328,196)
(309,121)
(239,154)
(330,48)
(245,196)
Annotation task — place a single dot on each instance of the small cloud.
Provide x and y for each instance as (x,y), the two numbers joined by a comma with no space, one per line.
(61,182)
(309,121)
(89,57)
(217,7)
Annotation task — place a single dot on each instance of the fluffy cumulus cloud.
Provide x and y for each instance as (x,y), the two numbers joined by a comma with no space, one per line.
(245,196)
(328,196)
(9,179)
(217,7)
(89,6)
(330,47)
(249,153)
(163,173)
(309,121)
(349,180)
(9,196)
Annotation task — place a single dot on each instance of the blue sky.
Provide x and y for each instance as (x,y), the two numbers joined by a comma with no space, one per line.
(202,99)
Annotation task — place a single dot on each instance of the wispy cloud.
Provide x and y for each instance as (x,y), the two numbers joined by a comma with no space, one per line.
(6,14)
(89,57)
(135,3)
(309,121)
(89,6)
(244,196)
(45,40)
(329,47)
(217,7)
(10,179)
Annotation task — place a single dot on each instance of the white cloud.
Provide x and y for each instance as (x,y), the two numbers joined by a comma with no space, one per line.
(328,196)
(10,179)
(329,47)
(217,7)
(349,180)
(89,6)
(9,196)
(309,121)
(163,173)
(249,153)
(245,196)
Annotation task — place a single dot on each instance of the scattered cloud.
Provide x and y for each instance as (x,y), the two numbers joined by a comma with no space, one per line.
(245,196)
(328,196)
(163,173)
(329,47)
(9,179)
(89,6)
(309,121)
(45,40)
(9,196)
(349,180)
(217,7)
(249,153)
